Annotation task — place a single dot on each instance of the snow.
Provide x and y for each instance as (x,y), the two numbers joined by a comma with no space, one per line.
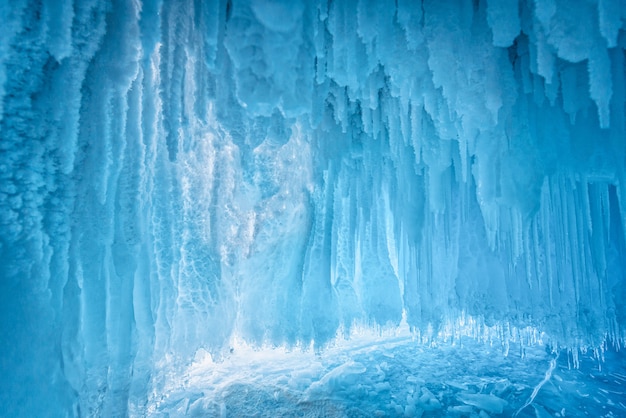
(179,178)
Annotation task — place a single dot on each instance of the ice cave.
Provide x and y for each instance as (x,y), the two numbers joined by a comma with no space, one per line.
(312,208)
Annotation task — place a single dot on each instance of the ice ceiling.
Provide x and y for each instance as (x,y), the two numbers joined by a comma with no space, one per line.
(176,174)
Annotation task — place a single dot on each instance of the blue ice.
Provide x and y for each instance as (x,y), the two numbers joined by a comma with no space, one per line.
(190,187)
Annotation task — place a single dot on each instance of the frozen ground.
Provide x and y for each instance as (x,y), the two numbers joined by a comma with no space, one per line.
(395,377)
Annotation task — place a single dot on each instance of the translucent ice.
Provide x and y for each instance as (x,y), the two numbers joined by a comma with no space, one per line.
(179,175)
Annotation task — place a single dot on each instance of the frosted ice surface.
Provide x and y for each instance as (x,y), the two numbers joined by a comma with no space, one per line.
(366,381)
(177,176)
(503,18)
(486,402)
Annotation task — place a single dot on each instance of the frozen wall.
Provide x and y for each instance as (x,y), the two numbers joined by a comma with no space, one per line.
(178,173)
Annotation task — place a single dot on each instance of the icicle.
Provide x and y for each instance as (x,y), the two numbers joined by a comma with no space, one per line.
(504,21)
(601,84)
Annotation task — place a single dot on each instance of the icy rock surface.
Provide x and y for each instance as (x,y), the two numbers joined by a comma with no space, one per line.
(175,175)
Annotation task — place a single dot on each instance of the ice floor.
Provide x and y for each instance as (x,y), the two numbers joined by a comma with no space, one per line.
(398,377)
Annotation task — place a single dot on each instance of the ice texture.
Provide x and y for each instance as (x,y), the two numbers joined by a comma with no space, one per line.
(175,175)
(366,377)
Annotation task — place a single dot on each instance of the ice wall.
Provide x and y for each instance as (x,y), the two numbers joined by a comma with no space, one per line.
(174,174)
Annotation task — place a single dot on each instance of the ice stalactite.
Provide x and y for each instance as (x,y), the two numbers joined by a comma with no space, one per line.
(177,174)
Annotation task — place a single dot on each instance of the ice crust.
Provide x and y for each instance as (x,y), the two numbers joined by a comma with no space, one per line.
(367,376)
(178,174)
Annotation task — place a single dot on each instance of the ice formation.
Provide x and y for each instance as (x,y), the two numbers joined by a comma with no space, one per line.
(175,174)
